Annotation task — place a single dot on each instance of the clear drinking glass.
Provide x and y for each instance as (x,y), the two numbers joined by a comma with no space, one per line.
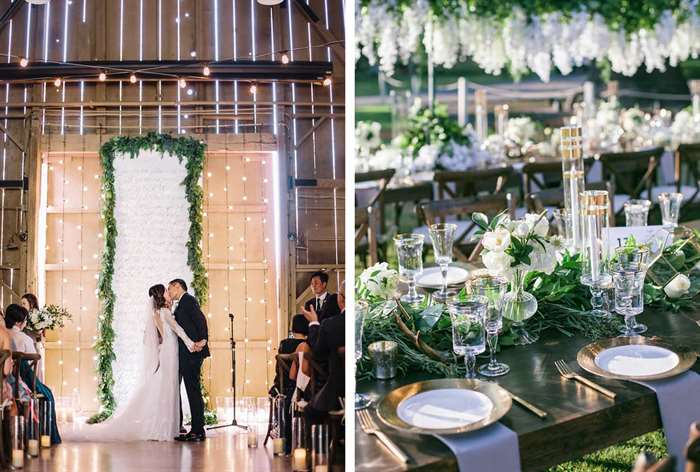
(636,212)
(629,271)
(409,248)
(468,329)
(670,204)
(493,289)
(443,238)
(361,309)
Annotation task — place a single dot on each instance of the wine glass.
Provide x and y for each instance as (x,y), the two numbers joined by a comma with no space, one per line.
(670,204)
(629,271)
(493,289)
(443,238)
(409,248)
(361,309)
(468,331)
(636,212)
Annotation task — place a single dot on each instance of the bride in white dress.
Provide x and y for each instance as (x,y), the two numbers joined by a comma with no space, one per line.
(152,412)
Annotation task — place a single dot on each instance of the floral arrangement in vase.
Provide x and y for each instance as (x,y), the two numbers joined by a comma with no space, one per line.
(50,317)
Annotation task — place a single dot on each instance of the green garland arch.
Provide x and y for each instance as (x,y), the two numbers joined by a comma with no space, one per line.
(183,148)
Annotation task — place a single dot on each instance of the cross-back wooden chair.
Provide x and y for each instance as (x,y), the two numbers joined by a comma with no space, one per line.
(633,173)
(368,213)
(440,211)
(452,184)
(687,157)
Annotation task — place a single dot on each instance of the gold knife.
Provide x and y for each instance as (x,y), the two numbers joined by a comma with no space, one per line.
(541,414)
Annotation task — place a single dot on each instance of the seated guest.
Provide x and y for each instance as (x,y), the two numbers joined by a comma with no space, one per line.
(325,304)
(15,321)
(6,345)
(326,339)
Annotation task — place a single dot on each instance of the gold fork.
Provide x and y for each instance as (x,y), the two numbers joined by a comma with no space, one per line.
(568,374)
(370,427)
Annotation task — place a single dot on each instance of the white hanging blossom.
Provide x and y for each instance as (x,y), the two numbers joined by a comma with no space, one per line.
(388,34)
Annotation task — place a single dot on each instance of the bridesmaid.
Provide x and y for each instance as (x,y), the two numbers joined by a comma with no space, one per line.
(31,303)
(16,321)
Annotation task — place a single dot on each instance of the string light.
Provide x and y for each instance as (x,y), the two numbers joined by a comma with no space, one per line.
(102,77)
(253,88)
(206,71)
(23,62)
(327,81)
(182,83)
(132,78)
(285,58)
(57,82)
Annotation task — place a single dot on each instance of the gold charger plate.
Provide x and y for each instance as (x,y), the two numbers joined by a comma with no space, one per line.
(388,406)
(586,357)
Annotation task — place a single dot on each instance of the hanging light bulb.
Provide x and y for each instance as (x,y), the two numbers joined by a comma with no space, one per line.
(102,77)
(327,81)
(206,71)
(57,82)
(23,62)
(132,78)
(182,83)
(285,58)
(253,88)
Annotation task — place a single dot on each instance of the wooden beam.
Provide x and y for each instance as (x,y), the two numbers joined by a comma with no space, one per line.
(12,139)
(328,37)
(309,133)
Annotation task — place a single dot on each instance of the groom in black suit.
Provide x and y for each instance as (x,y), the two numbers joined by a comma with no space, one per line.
(190,317)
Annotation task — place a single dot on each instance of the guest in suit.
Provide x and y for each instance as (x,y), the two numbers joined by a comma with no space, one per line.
(190,317)
(327,341)
(15,321)
(325,304)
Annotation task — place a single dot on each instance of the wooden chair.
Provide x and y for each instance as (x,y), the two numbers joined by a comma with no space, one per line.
(438,212)
(546,175)
(473,182)
(536,205)
(283,365)
(633,173)
(368,213)
(687,156)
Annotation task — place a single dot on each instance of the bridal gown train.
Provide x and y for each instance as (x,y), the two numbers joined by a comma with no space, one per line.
(152,412)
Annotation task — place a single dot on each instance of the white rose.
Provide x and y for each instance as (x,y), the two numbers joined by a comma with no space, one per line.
(678,286)
(538,224)
(497,240)
(496,262)
(520,228)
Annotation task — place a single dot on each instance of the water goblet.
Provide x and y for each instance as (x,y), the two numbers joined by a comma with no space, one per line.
(468,330)
(443,237)
(636,212)
(409,248)
(629,271)
(493,289)
(670,204)
(361,309)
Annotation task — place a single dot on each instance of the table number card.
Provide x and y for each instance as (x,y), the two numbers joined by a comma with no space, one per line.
(654,236)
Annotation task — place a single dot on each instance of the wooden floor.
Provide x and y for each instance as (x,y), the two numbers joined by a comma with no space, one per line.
(224,450)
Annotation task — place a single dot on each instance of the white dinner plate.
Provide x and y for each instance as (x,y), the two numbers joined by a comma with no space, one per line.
(444,408)
(637,360)
(432,278)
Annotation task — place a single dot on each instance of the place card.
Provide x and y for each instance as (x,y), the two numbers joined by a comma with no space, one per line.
(655,236)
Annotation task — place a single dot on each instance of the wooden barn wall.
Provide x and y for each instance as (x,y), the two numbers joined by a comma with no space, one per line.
(305,121)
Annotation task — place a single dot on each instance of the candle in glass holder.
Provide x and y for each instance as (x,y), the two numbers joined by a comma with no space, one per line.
(321,468)
(18,458)
(252,438)
(278,446)
(299,459)
(33,447)
(45,441)
(573,177)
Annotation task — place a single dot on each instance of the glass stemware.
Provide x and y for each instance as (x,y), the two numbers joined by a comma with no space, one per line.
(468,330)
(629,271)
(409,248)
(361,309)
(670,204)
(493,289)
(636,212)
(443,238)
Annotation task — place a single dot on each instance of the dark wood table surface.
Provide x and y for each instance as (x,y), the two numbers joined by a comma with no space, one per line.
(580,419)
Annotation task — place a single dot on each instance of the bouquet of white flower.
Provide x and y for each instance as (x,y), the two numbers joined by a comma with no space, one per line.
(511,245)
(50,317)
(377,283)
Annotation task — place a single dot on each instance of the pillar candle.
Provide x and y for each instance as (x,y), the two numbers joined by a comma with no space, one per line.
(278,446)
(33,447)
(321,468)
(18,458)
(299,459)
(45,441)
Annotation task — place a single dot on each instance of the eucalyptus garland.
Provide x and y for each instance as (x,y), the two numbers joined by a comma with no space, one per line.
(182,148)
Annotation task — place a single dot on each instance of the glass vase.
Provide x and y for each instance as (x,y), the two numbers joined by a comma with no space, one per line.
(518,306)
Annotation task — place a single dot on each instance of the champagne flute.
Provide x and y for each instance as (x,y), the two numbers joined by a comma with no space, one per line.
(443,238)
(468,331)
(361,309)
(493,289)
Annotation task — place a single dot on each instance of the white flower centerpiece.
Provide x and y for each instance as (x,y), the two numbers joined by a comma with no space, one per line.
(377,283)
(512,249)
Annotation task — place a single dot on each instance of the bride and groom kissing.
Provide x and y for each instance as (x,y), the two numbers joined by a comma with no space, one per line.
(175,345)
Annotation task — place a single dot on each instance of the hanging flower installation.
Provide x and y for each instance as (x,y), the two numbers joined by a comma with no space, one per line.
(522,36)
